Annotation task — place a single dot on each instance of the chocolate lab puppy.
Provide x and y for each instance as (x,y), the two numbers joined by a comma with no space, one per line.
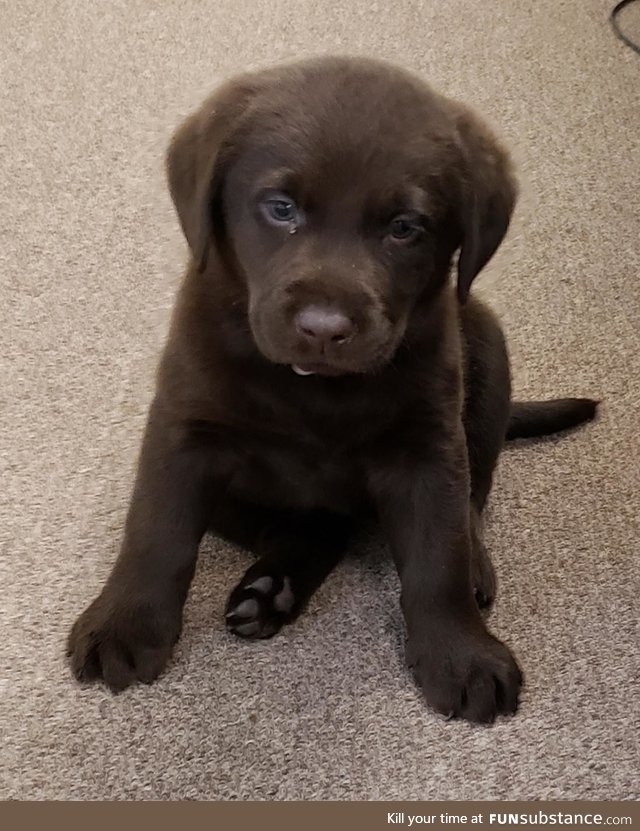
(321,369)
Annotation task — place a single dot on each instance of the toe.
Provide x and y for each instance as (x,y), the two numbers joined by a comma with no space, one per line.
(480,698)
(117,670)
(248,608)
(149,664)
(246,630)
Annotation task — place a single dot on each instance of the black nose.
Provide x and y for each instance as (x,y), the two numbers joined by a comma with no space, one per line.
(324,325)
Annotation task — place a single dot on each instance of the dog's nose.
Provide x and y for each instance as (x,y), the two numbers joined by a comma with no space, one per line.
(324,325)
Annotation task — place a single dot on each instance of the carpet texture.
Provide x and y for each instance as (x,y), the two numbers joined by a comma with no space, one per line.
(90,260)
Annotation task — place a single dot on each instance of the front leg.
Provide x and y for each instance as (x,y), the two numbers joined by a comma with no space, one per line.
(423,501)
(297,549)
(127,634)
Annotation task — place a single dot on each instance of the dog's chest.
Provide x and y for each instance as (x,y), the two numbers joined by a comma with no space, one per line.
(287,473)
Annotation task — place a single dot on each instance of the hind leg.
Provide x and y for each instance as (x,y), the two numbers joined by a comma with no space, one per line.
(296,550)
(486,416)
(483,574)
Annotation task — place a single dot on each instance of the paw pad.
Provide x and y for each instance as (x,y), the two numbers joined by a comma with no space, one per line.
(259,606)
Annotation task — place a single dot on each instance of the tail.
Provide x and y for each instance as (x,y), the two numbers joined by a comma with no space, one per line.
(539,418)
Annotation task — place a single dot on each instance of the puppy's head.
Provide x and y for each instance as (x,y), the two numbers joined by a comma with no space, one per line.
(336,191)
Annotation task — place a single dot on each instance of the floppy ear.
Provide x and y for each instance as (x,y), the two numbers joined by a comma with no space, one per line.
(488,198)
(194,162)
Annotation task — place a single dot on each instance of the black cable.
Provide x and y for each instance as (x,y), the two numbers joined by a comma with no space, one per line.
(616,28)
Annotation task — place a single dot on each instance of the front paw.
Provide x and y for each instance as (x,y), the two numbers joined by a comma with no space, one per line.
(466,673)
(122,640)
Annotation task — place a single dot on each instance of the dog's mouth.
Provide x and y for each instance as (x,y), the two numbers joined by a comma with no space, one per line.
(328,370)
(318,369)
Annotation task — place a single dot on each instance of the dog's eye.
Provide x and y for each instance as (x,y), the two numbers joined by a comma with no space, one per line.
(280,209)
(404,228)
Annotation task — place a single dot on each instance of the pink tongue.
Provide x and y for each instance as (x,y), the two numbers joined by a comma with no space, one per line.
(299,371)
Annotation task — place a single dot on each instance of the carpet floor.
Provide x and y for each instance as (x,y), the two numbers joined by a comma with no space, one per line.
(90,260)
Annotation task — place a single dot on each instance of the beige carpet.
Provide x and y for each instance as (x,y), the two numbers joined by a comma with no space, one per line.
(90,258)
